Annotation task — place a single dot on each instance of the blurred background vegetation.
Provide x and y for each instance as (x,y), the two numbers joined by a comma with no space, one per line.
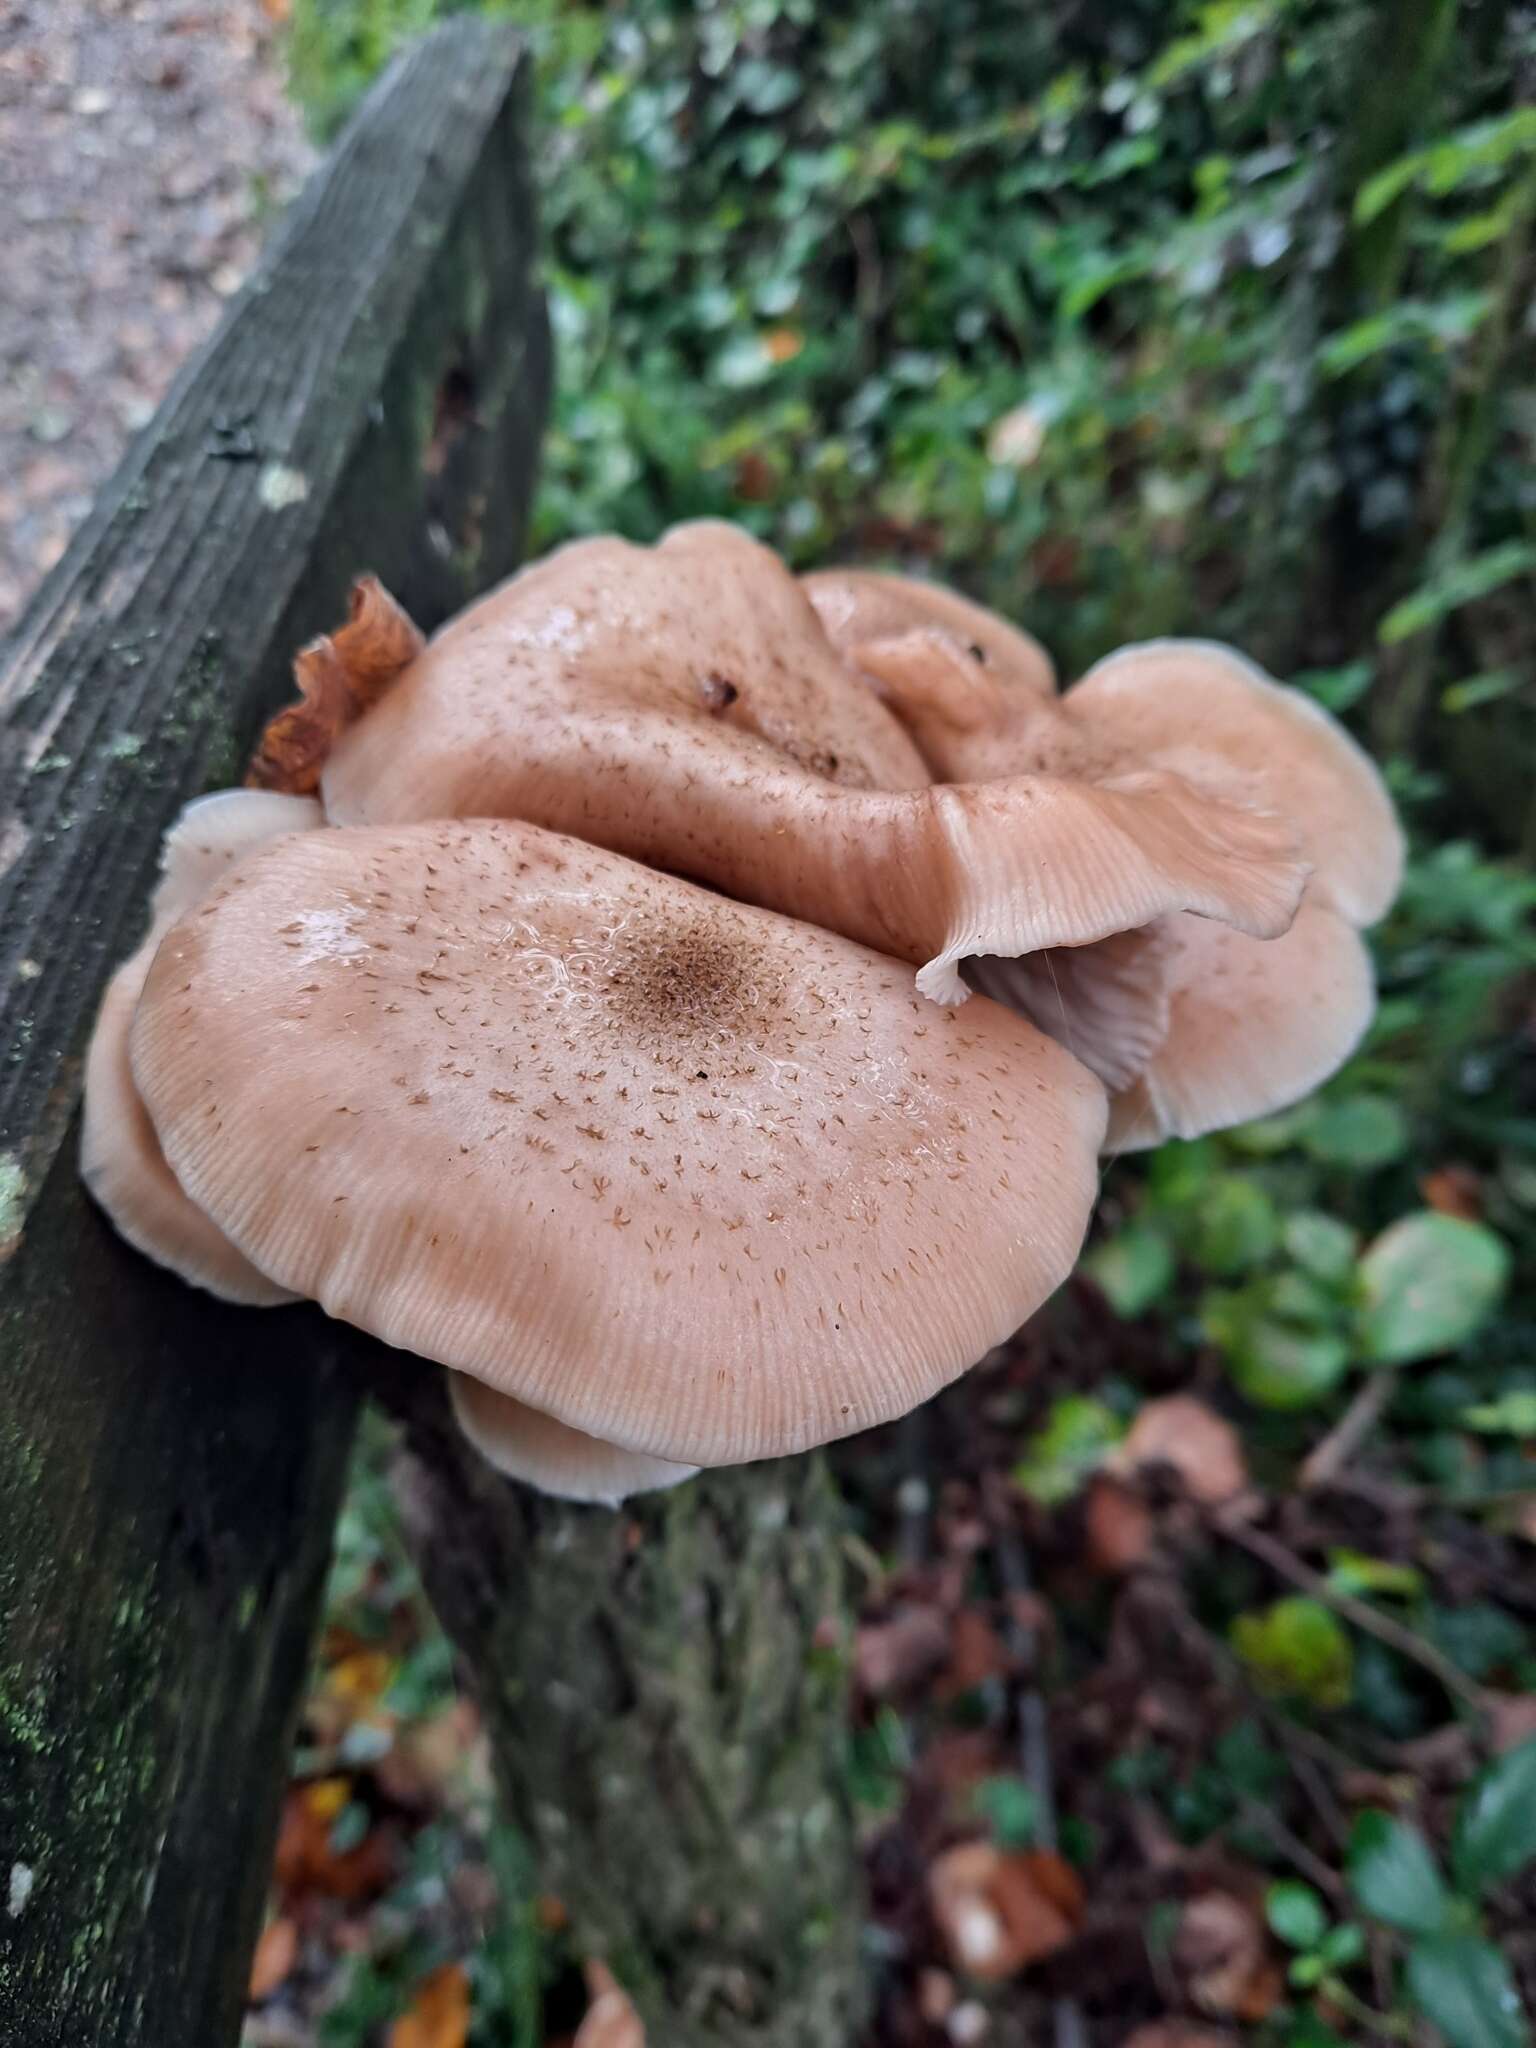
(1203,317)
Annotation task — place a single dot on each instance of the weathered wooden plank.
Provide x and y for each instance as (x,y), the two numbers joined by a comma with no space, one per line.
(170,1470)
(367,405)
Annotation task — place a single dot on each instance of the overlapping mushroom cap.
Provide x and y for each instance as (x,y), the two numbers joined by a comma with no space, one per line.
(683,705)
(687,1176)
(417,1065)
(1191,1026)
(120,1155)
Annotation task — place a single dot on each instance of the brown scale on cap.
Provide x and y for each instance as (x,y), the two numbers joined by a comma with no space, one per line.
(1154,1012)
(683,705)
(684,1175)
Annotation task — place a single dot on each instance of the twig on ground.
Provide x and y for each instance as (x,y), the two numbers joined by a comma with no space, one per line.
(1293,1848)
(1286,1565)
(1328,1458)
(1068,2027)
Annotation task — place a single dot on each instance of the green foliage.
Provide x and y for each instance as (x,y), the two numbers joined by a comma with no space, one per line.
(1496,1828)
(1078,1435)
(1427,1285)
(1296,1914)
(1041,303)
(1010,1810)
(1297,1649)
(1463,1986)
(1392,1873)
(1135,1268)
(1454,1975)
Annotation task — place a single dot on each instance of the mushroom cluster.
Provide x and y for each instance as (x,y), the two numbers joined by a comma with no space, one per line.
(578,999)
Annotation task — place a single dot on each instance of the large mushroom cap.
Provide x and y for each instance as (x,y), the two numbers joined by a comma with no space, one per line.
(1252,1025)
(682,705)
(946,666)
(687,1176)
(1191,1025)
(529,1445)
(120,1156)
(606,665)
(1202,710)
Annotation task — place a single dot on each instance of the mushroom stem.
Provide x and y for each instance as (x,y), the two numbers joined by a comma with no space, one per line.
(664,1691)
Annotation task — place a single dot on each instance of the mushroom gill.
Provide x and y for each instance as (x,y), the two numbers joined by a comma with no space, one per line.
(1191,1025)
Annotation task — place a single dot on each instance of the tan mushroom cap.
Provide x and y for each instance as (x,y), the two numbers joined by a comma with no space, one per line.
(526,1444)
(682,705)
(690,1177)
(1194,708)
(945,665)
(1161,1002)
(1204,711)
(120,1156)
(1252,1025)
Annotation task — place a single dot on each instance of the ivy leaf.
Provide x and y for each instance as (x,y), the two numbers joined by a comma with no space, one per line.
(1454,587)
(1079,1434)
(1296,1913)
(1463,1986)
(1393,1874)
(1430,1281)
(1297,1647)
(1134,1268)
(1358,1130)
(1276,1363)
(1321,1245)
(1496,1828)
(1235,1228)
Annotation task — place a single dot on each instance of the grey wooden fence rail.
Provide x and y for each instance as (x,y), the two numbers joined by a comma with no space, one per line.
(169,1470)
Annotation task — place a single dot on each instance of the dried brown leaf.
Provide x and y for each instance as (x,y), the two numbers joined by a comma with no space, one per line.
(891,1657)
(339,677)
(439,2013)
(273,1961)
(1199,1445)
(610,2020)
(1117,1526)
(1222,1952)
(996,1912)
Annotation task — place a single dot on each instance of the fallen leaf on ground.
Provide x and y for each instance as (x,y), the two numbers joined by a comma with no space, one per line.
(1223,1954)
(439,2013)
(611,2020)
(999,1912)
(306,1860)
(976,1653)
(1454,1191)
(894,1655)
(1117,1526)
(274,1958)
(1194,1440)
